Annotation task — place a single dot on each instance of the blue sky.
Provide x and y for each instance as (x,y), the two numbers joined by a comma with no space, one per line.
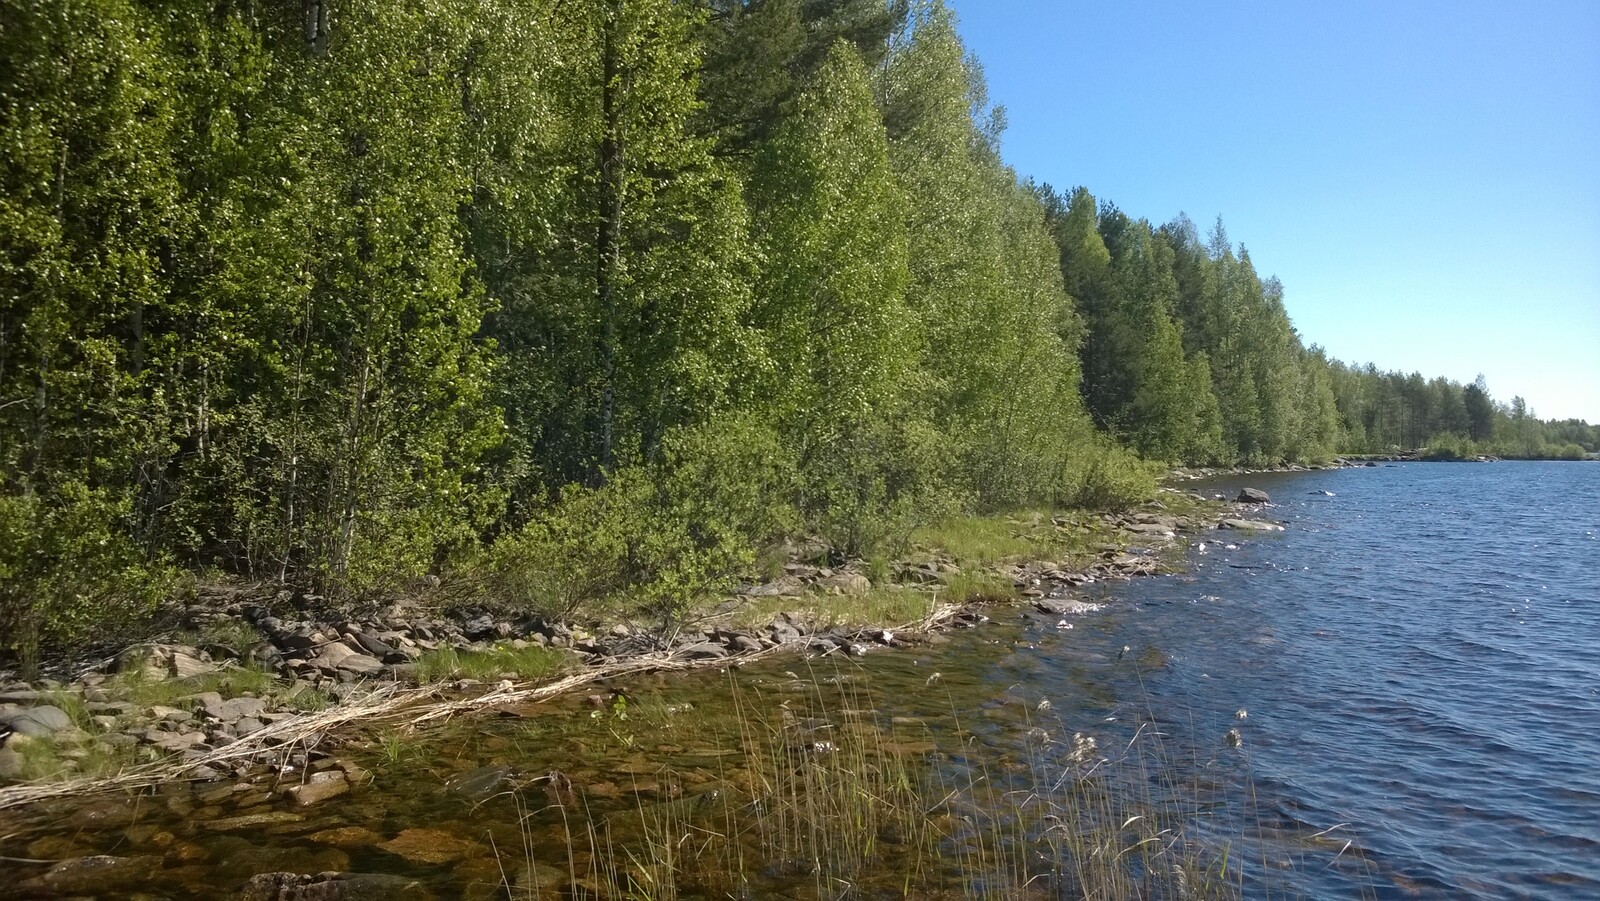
(1424,176)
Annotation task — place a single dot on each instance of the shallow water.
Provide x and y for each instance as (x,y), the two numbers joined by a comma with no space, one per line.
(1418,655)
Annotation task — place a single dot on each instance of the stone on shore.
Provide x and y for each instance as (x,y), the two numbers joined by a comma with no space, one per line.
(1253,496)
(1249,525)
(41,721)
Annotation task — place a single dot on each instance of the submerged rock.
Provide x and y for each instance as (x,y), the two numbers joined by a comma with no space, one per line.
(331,887)
(98,875)
(430,846)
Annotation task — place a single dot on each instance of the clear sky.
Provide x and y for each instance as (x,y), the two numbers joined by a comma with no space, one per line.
(1423,175)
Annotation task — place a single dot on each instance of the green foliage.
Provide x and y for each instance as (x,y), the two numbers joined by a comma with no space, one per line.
(68,571)
(591,299)
(663,534)
(1113,478)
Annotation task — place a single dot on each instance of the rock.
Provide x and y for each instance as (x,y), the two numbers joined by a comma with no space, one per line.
(11,764)
(171,714)
(1251,525)
(329,657)
(1253,496)
(783,586)
(235,708)
(321,787)
(186,663)
(705,650)
(846,583)
(429,846)
(479,782)
(101,875)
(348,838)
(361,665)
(1056,607)
(41,721)
(331,887)
(253,821)
(745,644)
(784,633)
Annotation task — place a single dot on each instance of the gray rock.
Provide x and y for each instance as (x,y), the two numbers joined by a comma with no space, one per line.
(745,644)
(361,665)
(705,650)
(847,583)
(37,721)
(784,633)
(1251,525)
(1253,496)
(235,708)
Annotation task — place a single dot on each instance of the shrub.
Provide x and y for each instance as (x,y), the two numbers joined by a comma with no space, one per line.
(1113,478)
(662,534)
(69,572)
(866,491)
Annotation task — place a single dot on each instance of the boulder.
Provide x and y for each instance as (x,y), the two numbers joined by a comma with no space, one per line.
(41,721)
(101,875)
(320,787)
(705,650)
(1253,496)
(846,583)
(429,846)
(1249,525)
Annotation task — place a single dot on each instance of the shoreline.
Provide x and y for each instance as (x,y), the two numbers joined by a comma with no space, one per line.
(264,733)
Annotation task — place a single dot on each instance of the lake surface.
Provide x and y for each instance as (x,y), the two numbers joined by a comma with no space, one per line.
(1420,657)
(1416,657)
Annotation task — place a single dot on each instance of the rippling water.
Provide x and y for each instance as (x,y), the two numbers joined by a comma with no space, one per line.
(1419,654)
(1417,657)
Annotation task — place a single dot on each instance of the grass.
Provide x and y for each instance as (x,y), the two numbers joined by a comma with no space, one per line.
(48,760)
(502,662)
(887,606)
(230,682)
(1071,536)
(858,809)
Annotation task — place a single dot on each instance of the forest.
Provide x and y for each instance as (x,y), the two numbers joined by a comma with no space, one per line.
(578,299)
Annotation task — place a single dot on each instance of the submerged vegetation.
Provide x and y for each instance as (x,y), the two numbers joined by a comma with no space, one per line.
(580,304)
(825,798)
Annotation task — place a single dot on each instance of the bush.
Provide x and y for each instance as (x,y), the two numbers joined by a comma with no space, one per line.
(1112,479)
(1449,448)
(876,482)
(68,571)
(662,534)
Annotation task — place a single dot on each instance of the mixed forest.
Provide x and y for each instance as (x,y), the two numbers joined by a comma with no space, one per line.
(585,298)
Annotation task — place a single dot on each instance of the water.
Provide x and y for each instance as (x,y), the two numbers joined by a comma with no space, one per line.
(1418,655)
(1420,658)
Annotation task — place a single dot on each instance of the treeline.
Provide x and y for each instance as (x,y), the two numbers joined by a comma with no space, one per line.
(1188,355)
(574,299)
(1381,412)
(565,299)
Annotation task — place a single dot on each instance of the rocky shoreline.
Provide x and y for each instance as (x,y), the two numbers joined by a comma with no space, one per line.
(304,659)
